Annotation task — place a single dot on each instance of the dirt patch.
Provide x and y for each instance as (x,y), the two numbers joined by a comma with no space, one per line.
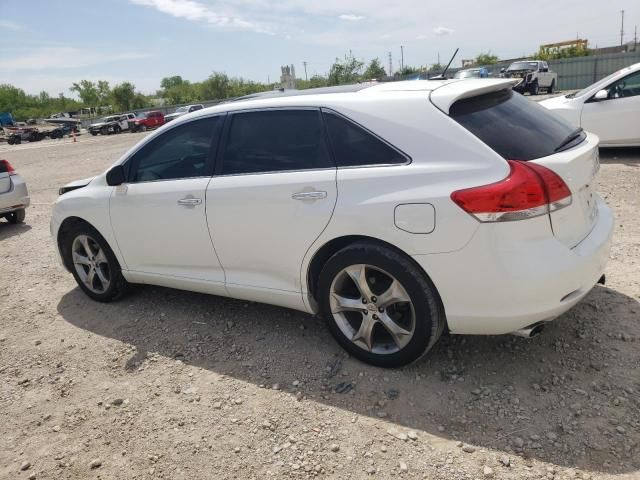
(169,384)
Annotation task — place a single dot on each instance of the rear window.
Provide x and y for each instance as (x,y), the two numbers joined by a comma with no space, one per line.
(515,127)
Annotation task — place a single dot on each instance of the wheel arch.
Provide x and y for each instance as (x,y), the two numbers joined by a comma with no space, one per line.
(63,231)
(326,251)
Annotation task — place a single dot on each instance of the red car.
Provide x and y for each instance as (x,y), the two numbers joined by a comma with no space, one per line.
(146,120)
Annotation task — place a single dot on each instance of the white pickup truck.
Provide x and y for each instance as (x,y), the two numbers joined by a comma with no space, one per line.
(534,75)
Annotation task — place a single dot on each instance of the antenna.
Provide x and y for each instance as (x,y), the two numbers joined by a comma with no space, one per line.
(442,75)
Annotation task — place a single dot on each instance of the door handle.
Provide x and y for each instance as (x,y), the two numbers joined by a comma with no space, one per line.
(309,195)
(189,201)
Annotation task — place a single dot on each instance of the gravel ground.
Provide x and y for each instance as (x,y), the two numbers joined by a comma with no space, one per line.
(176,385)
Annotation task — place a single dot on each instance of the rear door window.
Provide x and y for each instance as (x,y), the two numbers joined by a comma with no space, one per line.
(515,127)
(353,146)
(275,141)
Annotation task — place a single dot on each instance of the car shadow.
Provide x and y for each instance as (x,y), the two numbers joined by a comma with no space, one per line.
(558,397)
(629,156)
(8,230)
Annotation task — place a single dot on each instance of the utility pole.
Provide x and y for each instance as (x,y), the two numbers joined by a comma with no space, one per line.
(635,39)
(305,70)
(401,58)
(438,58)
(621,27)
(390,65)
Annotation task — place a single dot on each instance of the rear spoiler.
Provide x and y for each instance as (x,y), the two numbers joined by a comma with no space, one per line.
(446,95)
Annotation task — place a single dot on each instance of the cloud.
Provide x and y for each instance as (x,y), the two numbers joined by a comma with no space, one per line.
(350,17)
(442,31)
(8,25)
(198,12)
(61,58)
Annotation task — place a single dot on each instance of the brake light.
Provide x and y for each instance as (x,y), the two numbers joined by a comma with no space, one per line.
(530,190)
(7,167)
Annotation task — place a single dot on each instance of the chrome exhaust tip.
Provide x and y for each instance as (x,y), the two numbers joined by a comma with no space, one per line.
(530,331)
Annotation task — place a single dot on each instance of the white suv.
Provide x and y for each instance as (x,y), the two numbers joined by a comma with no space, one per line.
(396,210)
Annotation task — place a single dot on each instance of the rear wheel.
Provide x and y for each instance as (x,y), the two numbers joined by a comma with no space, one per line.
(94,133)
(93,264)
(16,216)
(551,87)
(379,305)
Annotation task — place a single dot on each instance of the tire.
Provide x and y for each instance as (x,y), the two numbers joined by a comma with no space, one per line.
(16,216)
(117,129)
(419,315)
(17,140)
(104,131)
(100,257)
(535,88)
(143,128)
(11,141)
(95,134)
(551,87)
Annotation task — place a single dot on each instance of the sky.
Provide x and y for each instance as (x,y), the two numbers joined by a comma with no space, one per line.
(49,44)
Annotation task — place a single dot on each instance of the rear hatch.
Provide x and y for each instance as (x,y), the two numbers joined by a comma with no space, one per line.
(519,129)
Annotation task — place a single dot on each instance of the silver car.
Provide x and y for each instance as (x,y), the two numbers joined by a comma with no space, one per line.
(14,197)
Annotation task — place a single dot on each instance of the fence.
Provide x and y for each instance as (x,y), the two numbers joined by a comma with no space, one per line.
(579,72)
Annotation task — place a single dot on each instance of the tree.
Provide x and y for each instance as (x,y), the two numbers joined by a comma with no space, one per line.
(214,87)
(170,82)
(123,96)
(485,59)
(408,70)
(87,91)
(104,92)
(316,81)
(374,70)
(346,71)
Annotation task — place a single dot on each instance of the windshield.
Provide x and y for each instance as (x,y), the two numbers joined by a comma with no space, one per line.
(141,115)
(523,66)
(600,83)
(467,74)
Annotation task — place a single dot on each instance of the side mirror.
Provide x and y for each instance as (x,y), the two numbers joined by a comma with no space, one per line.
(601,95)
(116,176)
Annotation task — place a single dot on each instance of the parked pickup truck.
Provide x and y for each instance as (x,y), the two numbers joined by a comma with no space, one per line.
(146,120)
(112,124)
(534,75)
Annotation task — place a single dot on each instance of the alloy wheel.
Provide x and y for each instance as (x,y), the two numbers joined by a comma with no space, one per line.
(91,264)
(372,309)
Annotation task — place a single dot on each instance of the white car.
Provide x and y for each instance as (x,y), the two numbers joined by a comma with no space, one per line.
(396,210)
(609,108)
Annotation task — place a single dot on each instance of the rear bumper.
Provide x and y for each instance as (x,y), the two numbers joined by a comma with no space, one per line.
(16,198)
(506,279)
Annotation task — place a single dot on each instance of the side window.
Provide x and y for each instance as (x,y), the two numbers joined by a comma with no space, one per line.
(275,141)
(354,146)
(628,86)
(182,152)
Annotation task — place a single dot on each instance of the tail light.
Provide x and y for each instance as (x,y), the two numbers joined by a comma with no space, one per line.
(529,190)
(6,167)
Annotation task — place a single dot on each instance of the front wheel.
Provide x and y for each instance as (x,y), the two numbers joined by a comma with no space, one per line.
(117,129)
(535,88)
(379,305)
(16,216)
(93,264)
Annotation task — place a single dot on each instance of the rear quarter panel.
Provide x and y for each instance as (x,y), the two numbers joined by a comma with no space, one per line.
(444,157)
